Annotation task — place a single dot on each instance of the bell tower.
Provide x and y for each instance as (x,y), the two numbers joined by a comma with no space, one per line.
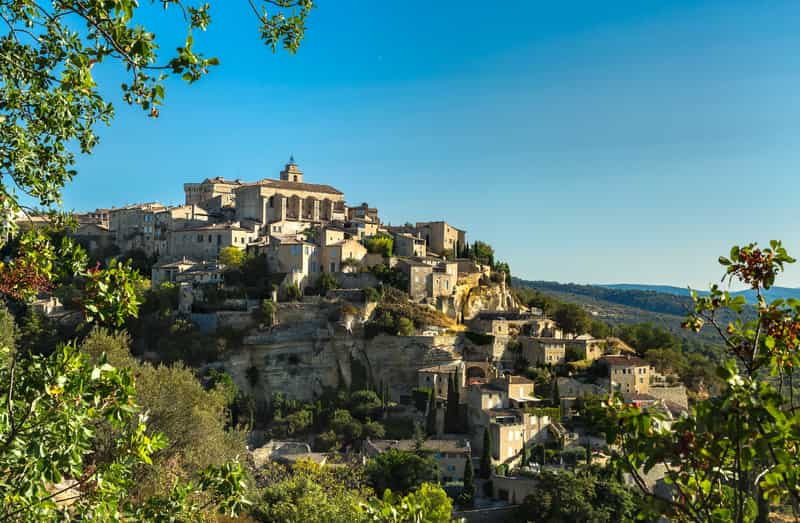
(292,173)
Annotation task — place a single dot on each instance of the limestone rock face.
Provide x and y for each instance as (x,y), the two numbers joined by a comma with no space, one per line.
(495,297)
(305,354)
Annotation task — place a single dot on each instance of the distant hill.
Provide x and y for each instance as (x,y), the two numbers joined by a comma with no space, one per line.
(626,306)
(773,294)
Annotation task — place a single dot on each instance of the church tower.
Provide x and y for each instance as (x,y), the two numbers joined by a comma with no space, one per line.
(292,173)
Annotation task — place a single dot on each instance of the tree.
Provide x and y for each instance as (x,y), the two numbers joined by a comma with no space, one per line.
(468,492)
(400,471)
(429,503)
(231,257)
(486,455)
(572,318)
(63,412)
(483,253)
(193,419)
(430,418)
(733,458)
(452,415)
(405,327)
(268,310)
(380,244)
(564,496)
(327,282)
(311,493)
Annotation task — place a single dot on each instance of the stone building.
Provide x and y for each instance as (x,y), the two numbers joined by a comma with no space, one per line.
(134,226)
(94,237)
(364,213)
(204,242)
(429,278)
(288,198)
(450,454)
(587,346)
(335,255)
(441,237)
(300,259)
(543,351)
(408,245)
(212,192)
(628,374)
(437,378)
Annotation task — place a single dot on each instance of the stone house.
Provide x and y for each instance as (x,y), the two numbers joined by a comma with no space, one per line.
(167,272)
(628,374)
(133,227)
(289,198)
(364,213)
(360,229)
(204,242)
(587,347)
(408,245)
(441,237)
(218,192)
(334,255)
(543,351)
(300,258)
(437,378)
(571,389)
(545,328)
(176,218)
(93,236)
(418,274)
(450,454)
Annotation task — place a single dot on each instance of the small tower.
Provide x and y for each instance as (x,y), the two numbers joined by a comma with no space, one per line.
(292,173)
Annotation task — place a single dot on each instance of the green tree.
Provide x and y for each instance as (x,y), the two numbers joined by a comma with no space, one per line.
(572,318)
(231,257)
(733,458)
(380,244)
(452,415)
(430,418)
(468,492)
(564,496)
(267,311)
(193,419)
(311,493)
(486,455)
(405,327)
(429,503)
(400,471)
(483,253)
(327,282)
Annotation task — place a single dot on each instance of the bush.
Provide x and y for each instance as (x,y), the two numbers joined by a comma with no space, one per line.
(405,327)
(372,295)
(380,244)
(292,292)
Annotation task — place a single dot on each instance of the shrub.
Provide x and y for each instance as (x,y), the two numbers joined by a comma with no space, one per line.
(380,244)
(292,292)
(405,327)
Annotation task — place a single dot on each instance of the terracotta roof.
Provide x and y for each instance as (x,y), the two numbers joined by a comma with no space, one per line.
(625,361)
(295,186)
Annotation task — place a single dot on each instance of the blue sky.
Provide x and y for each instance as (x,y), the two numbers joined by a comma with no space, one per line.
(601,142)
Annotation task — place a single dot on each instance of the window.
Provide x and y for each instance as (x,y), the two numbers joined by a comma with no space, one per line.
(199,238)
(333,266)
(219,239)
(209,238)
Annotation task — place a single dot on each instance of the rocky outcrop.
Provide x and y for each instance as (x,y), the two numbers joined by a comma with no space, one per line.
(471,300)
(306,353)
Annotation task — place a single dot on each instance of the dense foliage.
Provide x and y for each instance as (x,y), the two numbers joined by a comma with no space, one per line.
(735,457)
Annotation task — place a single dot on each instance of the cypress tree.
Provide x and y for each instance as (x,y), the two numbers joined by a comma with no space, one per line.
(486,455)
(468,493)
(451,421)
(430,421)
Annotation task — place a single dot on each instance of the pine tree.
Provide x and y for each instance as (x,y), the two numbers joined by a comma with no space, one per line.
(468,493)
(451,416)
(486,455)
(430,422)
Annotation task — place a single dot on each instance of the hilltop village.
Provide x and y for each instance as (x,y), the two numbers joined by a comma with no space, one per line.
(315,296)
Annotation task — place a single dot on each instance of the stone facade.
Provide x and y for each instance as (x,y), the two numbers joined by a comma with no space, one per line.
(204,242)
(134,227)
(628,374)
(441,237)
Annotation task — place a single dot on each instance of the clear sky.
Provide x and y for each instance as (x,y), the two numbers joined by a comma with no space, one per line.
(593,142)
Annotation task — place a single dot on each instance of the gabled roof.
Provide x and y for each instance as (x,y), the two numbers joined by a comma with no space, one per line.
(625,361)
(294,186)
